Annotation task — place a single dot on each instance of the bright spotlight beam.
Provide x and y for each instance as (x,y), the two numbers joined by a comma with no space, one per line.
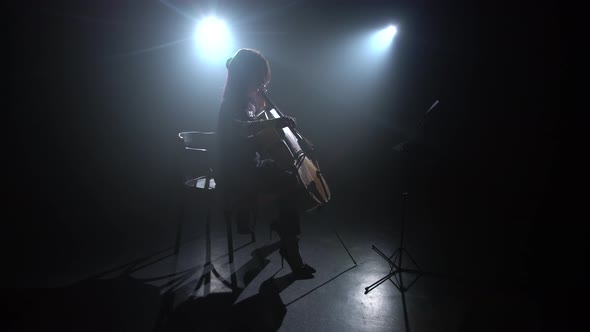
(213,39)
(383,38)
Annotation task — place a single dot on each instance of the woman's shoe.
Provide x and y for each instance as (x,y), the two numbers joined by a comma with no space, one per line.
(300,269)
(308,268)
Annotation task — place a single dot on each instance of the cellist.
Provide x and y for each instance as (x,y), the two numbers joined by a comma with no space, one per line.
(241,174)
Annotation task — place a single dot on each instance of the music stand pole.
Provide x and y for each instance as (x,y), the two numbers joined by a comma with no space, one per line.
(395,260)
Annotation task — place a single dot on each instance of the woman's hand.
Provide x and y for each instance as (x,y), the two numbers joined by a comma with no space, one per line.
(285,121)
(253,127)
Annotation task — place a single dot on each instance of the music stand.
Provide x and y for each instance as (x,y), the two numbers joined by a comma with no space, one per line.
(395,260)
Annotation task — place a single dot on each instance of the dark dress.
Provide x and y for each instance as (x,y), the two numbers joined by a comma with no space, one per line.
(241,173)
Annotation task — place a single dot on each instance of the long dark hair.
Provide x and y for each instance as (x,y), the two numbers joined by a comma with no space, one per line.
(246,69)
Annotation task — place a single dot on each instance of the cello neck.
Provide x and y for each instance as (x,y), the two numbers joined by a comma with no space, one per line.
(272,106)
(269,102)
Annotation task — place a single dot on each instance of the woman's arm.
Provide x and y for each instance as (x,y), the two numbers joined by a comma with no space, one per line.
(250,128)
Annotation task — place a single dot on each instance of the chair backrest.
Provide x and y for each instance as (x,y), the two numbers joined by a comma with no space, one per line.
(197,159)
(198,139)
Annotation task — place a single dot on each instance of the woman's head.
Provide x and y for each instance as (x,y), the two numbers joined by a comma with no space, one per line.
(247,70)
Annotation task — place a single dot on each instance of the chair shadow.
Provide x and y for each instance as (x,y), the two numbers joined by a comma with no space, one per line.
(126,303)
(247,272)
(264,311)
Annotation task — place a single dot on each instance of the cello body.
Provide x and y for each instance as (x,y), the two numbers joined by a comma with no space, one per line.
(292,152)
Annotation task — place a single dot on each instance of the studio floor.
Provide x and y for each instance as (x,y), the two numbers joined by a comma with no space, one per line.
(193,287)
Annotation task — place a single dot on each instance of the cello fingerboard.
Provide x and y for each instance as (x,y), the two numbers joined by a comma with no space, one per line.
(290,138)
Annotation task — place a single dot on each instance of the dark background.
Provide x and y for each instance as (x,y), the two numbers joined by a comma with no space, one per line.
(91,125)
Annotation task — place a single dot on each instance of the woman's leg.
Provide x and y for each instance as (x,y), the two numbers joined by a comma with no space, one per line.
(285,186)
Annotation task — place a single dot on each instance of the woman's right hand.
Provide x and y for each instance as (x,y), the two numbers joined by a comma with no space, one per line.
(285,121)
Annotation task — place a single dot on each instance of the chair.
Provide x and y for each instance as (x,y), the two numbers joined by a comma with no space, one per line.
(199,179)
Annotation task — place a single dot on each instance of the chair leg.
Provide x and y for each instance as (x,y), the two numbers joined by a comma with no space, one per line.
(208,238)
(230,242)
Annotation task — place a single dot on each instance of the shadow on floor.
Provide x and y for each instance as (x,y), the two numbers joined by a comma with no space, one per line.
(217,312)
(264,311)
(126,304)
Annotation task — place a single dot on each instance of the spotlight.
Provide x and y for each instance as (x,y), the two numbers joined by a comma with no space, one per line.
(381,39)
(390,32)
(213,39)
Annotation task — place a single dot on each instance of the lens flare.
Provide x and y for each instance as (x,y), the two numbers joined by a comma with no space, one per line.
(213,39)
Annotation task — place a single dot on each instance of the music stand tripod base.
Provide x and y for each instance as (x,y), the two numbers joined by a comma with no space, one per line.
(396,270)
(395,262)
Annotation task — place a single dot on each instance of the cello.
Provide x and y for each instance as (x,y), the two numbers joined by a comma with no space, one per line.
(292,152)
